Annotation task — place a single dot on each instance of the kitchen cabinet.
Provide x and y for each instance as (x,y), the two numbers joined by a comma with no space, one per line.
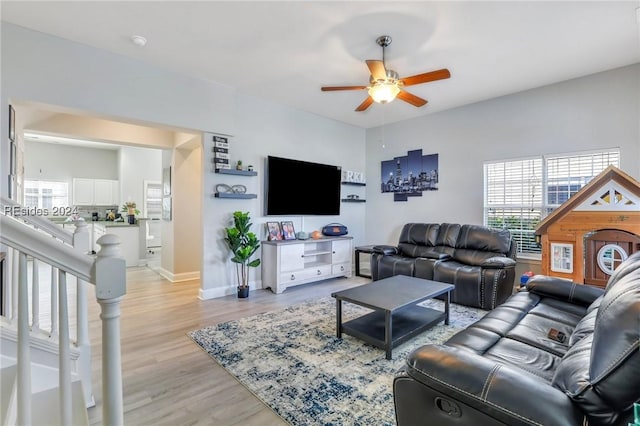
(129,240)
(95,192)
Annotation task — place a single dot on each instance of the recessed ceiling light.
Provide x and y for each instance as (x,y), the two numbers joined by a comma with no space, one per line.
(138,40)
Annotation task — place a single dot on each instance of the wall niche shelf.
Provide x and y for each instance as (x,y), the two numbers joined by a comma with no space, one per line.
(354,183)
(233,195)
(236,172)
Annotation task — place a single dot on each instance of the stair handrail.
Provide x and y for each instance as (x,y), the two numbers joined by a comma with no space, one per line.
(38,245)
(31,216)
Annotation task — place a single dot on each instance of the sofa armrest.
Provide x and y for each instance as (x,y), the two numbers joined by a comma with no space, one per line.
(498,262)
(502,392)
(562,289)
(385,250)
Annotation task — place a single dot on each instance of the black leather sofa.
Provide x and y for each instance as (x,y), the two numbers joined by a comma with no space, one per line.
(478,261)
(506,370)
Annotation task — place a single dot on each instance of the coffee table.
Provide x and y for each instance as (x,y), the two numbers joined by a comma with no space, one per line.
(396,316)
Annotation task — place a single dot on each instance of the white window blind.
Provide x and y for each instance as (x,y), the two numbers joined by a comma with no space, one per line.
(519,193)
(46,194)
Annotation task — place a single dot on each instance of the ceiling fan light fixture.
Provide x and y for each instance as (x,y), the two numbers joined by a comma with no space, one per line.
(384,92)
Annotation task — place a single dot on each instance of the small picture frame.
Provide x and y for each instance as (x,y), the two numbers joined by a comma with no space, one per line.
(288,232)
(274,233)
(12,124)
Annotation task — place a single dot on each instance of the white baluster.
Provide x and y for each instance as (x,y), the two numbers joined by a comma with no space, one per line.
(110,288)
(24,354)
(9,289)
(65,351)
(82,243)
(14,283)
(35,296)
(54,302)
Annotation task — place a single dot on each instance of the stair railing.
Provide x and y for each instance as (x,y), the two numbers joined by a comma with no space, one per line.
(106,272)
(80,239)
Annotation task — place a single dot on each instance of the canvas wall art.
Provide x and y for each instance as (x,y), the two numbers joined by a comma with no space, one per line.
(409,175)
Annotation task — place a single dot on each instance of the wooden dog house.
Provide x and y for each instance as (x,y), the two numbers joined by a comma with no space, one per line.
(589,234)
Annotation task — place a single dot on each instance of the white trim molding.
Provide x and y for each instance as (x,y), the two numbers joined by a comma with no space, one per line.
(176,278)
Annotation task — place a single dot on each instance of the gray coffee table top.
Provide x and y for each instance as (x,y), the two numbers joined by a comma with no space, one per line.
(393,293)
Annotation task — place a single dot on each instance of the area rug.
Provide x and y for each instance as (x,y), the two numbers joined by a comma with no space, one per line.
(292,360)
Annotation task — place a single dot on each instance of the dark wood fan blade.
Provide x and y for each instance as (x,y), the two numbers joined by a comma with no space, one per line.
(332,88)
(426,77)
(412,99)
(366,104)
(377,69)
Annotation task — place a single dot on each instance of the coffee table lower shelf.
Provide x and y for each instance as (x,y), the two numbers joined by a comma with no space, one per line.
(406,323)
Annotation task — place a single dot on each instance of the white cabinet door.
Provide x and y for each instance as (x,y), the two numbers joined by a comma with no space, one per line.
(115,193)
(82,192)
(103,192)
(291,257)
(341,251)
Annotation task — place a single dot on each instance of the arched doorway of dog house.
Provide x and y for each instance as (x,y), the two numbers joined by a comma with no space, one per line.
(605,250)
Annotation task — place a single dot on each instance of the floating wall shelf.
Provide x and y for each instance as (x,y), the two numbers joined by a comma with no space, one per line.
(236,172)
(234,195)
(351,200)
(354,183)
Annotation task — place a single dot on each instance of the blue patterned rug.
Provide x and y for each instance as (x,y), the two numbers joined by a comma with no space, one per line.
(292,360)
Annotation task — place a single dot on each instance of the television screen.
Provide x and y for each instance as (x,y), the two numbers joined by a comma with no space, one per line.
(294,187)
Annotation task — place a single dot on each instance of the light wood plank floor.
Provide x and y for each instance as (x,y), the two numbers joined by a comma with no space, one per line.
(168,379)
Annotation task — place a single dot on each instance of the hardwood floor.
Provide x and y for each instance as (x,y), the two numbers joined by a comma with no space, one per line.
(168,379)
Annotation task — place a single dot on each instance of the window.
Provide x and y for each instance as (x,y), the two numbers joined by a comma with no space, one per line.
(519,193)
(45,194)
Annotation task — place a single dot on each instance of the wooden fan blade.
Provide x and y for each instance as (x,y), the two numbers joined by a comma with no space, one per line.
(366,104)
(426,77)
(333,88)
(412,99)
(377,69)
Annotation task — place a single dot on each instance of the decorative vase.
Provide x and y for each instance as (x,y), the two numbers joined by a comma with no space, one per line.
(132,219)
(243,292)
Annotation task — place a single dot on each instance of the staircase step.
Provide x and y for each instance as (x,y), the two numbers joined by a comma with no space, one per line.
(7,383)
(46,407)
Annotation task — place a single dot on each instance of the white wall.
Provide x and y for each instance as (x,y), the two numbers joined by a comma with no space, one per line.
(82,78)
(136,166)
(589,113)
(265,129)
(48,161)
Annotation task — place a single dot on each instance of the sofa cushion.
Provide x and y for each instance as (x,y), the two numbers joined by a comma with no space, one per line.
(416,238)
(476,244)
(584,327)
(448,234)
(601,371)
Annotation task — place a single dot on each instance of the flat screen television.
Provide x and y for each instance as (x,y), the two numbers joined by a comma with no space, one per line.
(294,187)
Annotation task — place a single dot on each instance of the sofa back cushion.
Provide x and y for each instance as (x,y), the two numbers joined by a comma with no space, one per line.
(448,235)
(601,371)
(475,244)
(417,238)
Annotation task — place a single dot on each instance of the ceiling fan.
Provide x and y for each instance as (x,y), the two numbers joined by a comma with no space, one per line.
(385,84)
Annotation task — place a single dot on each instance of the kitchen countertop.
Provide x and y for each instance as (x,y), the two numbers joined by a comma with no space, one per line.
(105,223)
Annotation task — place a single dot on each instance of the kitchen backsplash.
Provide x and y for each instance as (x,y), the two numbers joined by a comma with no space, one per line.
(86,212)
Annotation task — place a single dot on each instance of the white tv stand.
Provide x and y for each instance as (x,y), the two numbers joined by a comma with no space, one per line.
(293,262)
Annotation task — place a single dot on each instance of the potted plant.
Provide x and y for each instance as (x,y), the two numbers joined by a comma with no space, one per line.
(243,244)
(130,208)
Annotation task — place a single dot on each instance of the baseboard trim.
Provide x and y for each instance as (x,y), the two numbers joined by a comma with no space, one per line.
(176,278)
(214,293)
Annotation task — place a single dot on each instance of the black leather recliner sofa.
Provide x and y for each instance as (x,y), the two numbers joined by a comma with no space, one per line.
(478,261)
(506,369)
